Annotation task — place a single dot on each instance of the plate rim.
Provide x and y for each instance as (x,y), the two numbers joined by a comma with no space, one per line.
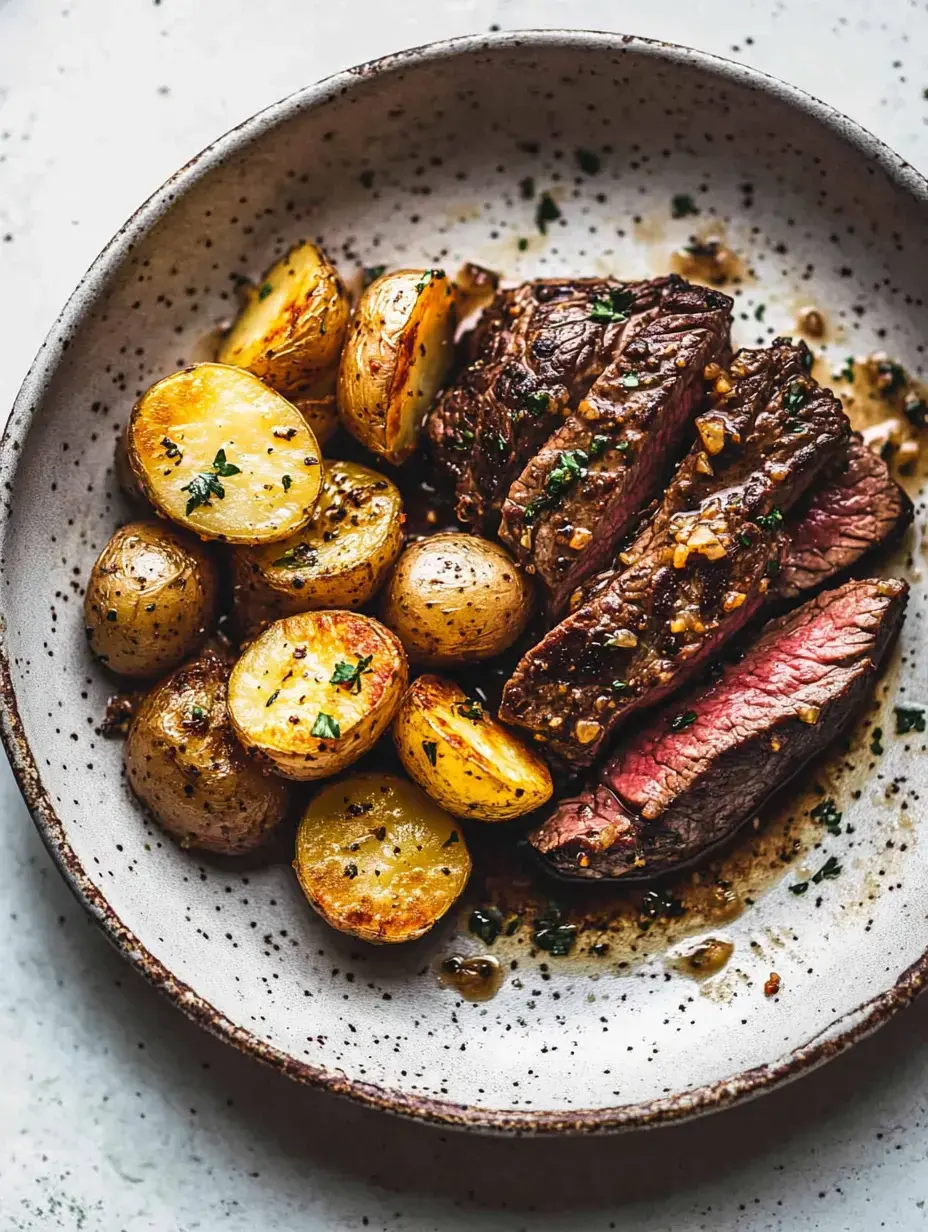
(835,1038)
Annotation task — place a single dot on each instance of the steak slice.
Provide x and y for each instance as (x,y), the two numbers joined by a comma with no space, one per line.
(533,356)
(857,508)
(699,570)
(579,496)
(707,762)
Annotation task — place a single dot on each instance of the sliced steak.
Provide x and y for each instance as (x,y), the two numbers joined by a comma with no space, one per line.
(857,507)
(699,570)
(707,762)
(578,497)
(534,355)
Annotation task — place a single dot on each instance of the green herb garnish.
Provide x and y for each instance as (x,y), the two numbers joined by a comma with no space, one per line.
(429,276)
(683,205)
(350,674)
(197,713)
(486,923)
(551,934)
(537,402)
(170,448)
(471,709)
(206,484)
(760,312)
(570,467)
(771,520)
(828,814)
(430,748)
(273,698)
(548,211)
(909,719)
(613,307)
(451,839)
(846,373)
(829,870)
(522,243)
(300,556)
(631,380)
(587,161)
(598,446)
(681,721)
(326,726)
(264,290)
(745,539)
(287,483)
(370,273)
(795,396)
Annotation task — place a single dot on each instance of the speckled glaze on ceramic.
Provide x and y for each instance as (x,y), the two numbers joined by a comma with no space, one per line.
(418,159)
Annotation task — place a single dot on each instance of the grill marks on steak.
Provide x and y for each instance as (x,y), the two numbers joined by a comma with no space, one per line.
(534,355)
(669,795)
(699,570)
(857,507)
(618,442)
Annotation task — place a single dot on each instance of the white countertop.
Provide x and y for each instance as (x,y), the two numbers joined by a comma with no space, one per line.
(116,1113)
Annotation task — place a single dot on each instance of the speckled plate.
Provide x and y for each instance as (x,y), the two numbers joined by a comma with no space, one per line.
(419,159)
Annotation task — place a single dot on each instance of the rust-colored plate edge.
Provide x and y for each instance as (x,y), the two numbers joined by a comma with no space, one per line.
(838,1036)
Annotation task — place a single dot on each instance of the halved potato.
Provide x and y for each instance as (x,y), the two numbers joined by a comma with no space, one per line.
(217,451)
(396,358)
(151,600)
(377,859)
(464,758)
(339,560)
(184,763)
(320,413)
(456,598)
(315,691)
(291,331)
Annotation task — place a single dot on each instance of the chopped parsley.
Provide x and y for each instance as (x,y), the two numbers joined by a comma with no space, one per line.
(430,748)
(613,307)
(300,556)
(682,205)
(620,686)
(909,718)
(631,380)
(846,373)
(171,449)
(370,273)
(598,446)
(537,403)
(452,838)
(264,290)
(431,275)
(349,674)
(795,396)
(522,243)
(588,162)
(829,870)
(828,814)
(760,312)
(547,211)
(486,923)
(206,484)
(471,709)
(527,188)
(658,905)
(681,721)
(915,409)
(287,482)
(551,934)
(197,713)
(745,539)
(570,467)
(326,726)
(273,698)
(771,520)
(890,378)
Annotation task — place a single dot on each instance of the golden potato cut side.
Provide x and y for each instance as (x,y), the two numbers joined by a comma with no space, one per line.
(315,691)
(466,760)
(291,331)
(378,859)
(456,598)
(217,451)
(339,560)
(396,359)
(151,600)
(185,765)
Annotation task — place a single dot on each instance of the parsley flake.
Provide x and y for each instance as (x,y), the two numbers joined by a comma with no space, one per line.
(771,520)
(264,290)
(588,162)
(430,748)
(681,721)
(206,484)
(551,934)
(613,307)
(795,396)
(350,674)
(431,275)
(909,719)
(370,273)
(171,449)
(471,709)
(326,727)
(300,556)
(287,483)
(631,380)
(682,205)
(828,814)
(548,211)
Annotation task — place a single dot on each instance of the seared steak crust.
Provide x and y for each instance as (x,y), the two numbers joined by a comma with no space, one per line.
(579,496)
(680,787)
(534,355)
(701,567)
(855,509)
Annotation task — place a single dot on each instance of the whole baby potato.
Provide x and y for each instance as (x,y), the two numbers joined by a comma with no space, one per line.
(184,763)
(151,600)
(456,598)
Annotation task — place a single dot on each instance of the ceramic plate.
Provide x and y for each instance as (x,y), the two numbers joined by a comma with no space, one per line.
(434,157)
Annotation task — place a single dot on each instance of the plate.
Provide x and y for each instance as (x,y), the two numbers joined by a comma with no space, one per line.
(433,157)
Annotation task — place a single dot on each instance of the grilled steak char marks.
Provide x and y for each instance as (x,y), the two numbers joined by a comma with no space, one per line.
(579,496)
(856,509)
(677,789)
(699,570)
(535,353)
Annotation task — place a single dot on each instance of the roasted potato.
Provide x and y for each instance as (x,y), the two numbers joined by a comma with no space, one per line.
(184,763)
(222,454)
(378,859)
(396,358)
(315,691)
(464,758)
(126,481)
(456,598)
(339,560)
(151,599)
(292,329)
(321,414)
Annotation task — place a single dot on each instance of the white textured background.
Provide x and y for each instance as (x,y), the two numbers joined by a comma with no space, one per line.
(115,1112)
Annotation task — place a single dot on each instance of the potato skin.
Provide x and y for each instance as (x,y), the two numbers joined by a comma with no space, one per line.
(212,424)
(378,859)
(282,690)
(339,560)
(320,413)
(151,599)
(456,598)
(396,358)
(292,329)
(186,766)
(464,758)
